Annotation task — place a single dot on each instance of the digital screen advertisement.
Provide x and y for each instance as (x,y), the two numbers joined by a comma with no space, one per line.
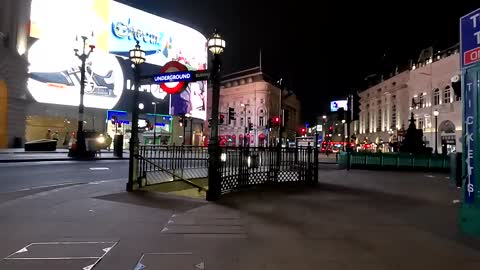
(114,29)
(337,104)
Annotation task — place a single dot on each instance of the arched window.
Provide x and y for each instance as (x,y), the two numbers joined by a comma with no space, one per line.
(436,96)
(447,95)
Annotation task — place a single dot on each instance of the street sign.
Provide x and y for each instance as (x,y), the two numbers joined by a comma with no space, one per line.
(183,76)
(470,38)
(176,86)
(174,77)
(470,125)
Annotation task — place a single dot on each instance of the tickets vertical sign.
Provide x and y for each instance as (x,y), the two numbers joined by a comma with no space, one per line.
(470,104)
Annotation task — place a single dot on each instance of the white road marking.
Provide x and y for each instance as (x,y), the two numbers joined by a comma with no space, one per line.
(22,250)
(429,176)
(99,169)
(164,229)
(88,267)
(107,181)
(46,186)
(200,266)
(455,201)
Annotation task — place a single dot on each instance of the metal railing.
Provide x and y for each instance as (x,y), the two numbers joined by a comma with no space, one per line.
(246,166)
(173,160)
(400,161)
(239,167)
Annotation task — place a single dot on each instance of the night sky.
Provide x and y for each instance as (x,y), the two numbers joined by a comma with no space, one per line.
(322,53)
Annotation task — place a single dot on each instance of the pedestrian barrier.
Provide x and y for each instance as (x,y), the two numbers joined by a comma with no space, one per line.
(239,166)
(248,166)
(399,161)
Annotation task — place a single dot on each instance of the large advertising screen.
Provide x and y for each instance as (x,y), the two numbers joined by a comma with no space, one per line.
(337,104)
(54,70)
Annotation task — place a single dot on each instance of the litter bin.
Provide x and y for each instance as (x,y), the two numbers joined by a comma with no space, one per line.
(456,168)
(118,146)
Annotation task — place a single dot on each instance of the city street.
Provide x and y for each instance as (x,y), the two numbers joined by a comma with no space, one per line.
(28,175)
(352,220)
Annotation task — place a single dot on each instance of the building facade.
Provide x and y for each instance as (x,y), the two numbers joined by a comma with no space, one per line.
(256,98)
(426,87)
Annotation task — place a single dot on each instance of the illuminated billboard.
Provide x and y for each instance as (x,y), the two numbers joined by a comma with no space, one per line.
(54,69)
(337,104)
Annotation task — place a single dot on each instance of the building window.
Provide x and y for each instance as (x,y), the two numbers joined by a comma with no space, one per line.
(436,96)
(260,121)
(242,124)
(379,120)
(367,123)
(447,95)
(421,123)
(394,116)
(421,99)
(249,120)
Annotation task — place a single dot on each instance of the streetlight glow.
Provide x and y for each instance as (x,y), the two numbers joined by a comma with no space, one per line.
(436,113)
(137,55)
(216,44)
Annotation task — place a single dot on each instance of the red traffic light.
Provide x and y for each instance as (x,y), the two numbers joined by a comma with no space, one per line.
(276,119)
(303,130)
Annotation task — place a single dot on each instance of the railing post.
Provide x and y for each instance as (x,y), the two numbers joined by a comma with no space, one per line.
(278,161)
(309,164)
(315,158)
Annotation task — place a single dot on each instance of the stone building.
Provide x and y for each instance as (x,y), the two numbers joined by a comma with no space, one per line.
(427,86)
(255,98)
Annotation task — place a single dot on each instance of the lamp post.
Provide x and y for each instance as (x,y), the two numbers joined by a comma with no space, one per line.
(436,113)
(137,56)
(216,45)
(344,134)
(154,122)
(81,147)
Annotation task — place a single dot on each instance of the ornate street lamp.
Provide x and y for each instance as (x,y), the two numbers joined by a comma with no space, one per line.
(82,46)
(436,113)
(137,56)
(216,45)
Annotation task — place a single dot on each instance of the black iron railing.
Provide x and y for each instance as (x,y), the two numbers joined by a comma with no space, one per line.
(246,166)
(240,166)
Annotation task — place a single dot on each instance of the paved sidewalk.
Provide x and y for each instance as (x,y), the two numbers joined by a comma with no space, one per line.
(353,220)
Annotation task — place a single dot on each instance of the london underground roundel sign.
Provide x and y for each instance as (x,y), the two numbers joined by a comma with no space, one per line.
(176,86)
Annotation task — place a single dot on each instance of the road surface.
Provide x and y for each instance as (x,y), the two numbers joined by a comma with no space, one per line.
(27,175)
